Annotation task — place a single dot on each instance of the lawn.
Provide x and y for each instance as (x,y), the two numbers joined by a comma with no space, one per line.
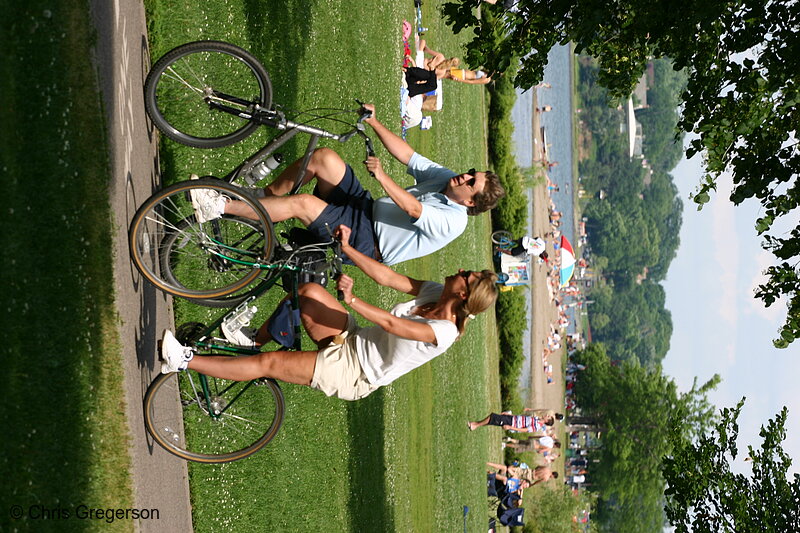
(402,459)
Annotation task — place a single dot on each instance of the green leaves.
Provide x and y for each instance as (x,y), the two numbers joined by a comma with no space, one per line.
(741,98)
(705,496)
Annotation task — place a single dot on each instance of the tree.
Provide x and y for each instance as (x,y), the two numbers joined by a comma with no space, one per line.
(741,98)
(636,407)
(705,496)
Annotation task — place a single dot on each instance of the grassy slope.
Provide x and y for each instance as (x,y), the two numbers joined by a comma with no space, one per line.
(66,438)
(401,459)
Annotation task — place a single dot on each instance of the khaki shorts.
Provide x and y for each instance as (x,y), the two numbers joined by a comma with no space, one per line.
(338,372)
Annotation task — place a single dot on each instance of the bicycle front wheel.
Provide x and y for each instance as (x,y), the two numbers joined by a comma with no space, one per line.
(217,421)
(186,80)
(179,253)
(194,260)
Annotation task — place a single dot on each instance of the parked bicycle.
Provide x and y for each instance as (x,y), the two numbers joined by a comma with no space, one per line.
(210,94)
(503,241)
(222,420)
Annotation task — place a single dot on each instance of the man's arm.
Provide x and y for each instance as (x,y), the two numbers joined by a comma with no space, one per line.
(404,199)
(396,146)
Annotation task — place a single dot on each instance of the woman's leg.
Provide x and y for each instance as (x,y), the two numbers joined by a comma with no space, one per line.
(323,316)
(291,367)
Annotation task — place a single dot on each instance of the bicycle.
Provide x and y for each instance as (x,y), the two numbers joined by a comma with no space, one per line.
(503,241)
(209,94)
(222,420)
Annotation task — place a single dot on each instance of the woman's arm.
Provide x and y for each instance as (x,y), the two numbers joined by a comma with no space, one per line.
(479,81)
(380,273)
(408,329)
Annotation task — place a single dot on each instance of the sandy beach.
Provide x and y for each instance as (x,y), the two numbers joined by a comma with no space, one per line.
(544,311)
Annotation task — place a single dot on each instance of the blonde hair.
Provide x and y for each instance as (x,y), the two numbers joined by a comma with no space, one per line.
(453,62)
(482,295)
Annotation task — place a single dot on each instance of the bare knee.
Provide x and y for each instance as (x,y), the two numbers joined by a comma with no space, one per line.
(305,207)
(328,168)
(323,158)
(312,291)
(291,367)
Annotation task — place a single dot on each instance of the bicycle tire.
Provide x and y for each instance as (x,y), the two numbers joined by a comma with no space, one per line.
(169,256)
(179,83)
(502,238)
(218,258)
(252,414)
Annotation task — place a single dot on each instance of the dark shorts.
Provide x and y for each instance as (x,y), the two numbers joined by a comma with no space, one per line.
(420,81)
(349,204)
(500,420)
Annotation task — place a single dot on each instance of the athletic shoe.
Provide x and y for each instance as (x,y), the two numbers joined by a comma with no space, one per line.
(175,356)
(242,336)
(208,204)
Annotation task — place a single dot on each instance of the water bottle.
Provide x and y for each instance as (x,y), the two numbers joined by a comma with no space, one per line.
(262,170)
(240,317)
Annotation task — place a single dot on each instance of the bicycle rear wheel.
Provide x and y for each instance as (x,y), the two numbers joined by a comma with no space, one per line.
(209,260)
(246,416)
(186,79)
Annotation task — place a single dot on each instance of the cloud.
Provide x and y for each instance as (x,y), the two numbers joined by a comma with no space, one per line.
(726,251)
(776,311)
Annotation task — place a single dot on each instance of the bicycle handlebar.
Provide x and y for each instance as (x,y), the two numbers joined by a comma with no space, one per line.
(336,262)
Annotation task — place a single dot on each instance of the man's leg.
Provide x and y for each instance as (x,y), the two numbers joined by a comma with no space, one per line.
(325,166)
(304,207)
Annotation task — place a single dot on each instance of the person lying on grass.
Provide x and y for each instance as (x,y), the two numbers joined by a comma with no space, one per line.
(351,362)
(421,79)
(405,224)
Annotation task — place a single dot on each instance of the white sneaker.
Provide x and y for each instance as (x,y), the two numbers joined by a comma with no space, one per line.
(208,204)
(242,336)
(175,356)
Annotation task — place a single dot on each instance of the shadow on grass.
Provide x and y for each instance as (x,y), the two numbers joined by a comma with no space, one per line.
(368,506)
(278,35)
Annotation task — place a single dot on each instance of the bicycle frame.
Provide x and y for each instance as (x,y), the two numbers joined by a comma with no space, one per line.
(205,338)
(276,119)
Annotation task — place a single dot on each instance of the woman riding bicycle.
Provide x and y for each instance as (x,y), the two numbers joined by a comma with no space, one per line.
(352,362)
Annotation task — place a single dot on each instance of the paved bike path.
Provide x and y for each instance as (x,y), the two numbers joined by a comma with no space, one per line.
(159,480)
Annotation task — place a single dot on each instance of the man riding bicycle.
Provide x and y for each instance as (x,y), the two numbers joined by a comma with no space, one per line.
(406,224)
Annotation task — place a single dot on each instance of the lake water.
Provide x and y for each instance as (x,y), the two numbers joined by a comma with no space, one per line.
(558,126)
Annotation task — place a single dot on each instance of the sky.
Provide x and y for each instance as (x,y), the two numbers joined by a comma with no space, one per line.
(718,325)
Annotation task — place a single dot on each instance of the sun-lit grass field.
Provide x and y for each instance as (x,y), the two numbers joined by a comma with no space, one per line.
(402,459)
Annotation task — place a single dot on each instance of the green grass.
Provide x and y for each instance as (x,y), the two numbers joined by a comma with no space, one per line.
(400,459)
(66,440)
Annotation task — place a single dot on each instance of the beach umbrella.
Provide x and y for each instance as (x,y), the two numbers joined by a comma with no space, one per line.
(567,261)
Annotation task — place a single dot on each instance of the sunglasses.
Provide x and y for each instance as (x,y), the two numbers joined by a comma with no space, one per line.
(466,274)
(471,182)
